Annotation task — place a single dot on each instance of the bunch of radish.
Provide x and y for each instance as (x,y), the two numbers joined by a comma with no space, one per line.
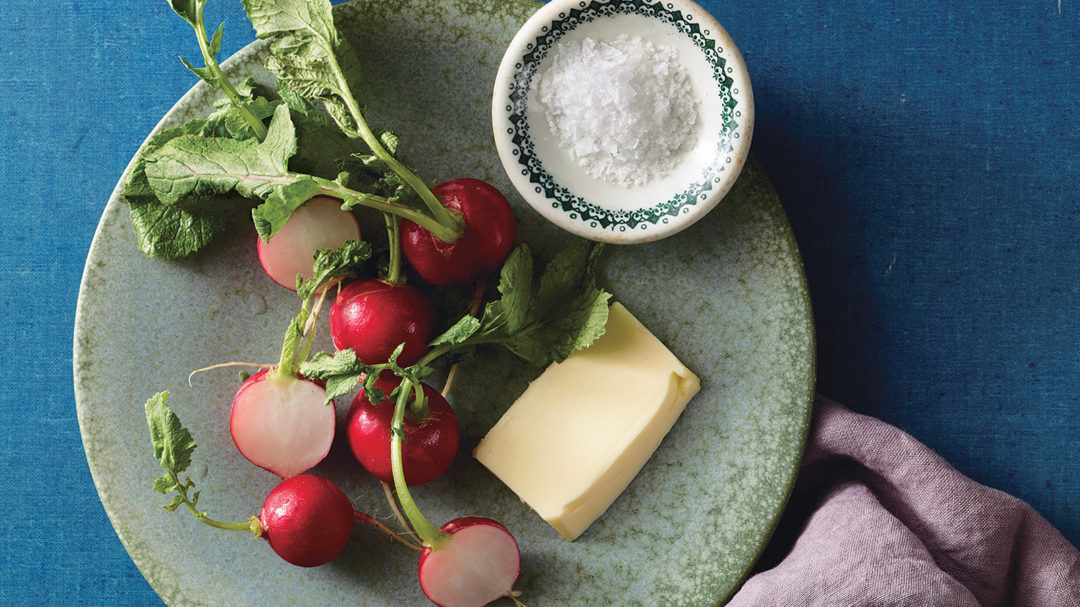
(399,429)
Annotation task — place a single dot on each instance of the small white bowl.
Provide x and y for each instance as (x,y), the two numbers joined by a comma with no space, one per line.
(560,187)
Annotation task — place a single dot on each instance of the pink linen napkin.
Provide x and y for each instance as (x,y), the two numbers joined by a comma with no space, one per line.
(877,518)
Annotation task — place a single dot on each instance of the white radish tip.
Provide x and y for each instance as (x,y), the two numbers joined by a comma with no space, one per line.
(224,365)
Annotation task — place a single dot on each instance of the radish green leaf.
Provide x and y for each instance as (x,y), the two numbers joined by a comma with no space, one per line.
(540,323)
(192,168)
(308,54)
(346,260)
(173,444)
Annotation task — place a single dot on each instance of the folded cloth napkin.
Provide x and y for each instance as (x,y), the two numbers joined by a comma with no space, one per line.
(877,518)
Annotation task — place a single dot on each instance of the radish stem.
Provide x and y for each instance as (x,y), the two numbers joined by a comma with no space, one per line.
(474,309)
(477,297)
(418,407)
(393,230)
(223,365)
(294,349)
(371,520)
(251,524)
(437,210)
(309,326)
(447,232)
(219,76)
(427,533)
(394,507)
(294,336)
(449,379)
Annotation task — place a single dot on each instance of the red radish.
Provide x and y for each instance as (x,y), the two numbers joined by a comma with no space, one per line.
(430,443)
(319,224)
(373,317)
(307,520)
(281,423)
(489,235)
(477,564)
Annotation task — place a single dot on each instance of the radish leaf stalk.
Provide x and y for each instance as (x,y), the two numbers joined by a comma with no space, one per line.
(314,60)
(393,229)
(427,532)
(328,267)
(173,446)
(192,12)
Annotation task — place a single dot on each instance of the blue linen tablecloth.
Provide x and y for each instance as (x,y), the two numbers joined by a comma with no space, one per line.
(925,151)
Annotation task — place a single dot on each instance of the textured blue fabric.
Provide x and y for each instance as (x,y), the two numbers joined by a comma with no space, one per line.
(926,153)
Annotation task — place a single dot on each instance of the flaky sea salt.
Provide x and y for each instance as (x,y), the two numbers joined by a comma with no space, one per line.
(624,109)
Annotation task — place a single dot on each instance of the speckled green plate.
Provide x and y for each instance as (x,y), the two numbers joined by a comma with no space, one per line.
(728,295)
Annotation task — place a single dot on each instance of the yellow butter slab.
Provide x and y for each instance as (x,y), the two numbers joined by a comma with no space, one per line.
(580,432)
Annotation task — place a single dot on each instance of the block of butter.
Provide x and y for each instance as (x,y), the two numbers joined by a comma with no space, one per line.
(582,430)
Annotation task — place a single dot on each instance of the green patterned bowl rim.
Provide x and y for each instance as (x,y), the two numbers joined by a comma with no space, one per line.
(578,213)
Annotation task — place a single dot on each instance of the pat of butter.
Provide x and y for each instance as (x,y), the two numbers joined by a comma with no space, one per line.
(580,432)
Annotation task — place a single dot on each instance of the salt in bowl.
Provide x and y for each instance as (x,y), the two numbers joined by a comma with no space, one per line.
(622,121)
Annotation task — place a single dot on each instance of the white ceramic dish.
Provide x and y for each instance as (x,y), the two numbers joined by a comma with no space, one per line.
(554,183)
